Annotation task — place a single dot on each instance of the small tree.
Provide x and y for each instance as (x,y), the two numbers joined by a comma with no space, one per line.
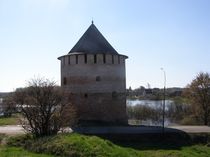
(198,93)
(178,110)
(44,107)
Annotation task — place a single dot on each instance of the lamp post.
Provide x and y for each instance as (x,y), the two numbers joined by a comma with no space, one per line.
(164,101)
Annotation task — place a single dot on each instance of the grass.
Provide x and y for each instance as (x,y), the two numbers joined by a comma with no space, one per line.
(70,145)
(91,146)
(13,120)
(187,151)
(18,152)
(7,151)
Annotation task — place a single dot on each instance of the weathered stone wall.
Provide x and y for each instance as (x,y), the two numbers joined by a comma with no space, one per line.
(101,107)
(97,86)
(81,77)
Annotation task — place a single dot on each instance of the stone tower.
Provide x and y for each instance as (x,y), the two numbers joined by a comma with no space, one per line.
(93,74)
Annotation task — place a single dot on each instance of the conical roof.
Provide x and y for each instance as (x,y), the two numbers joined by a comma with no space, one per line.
(93,42)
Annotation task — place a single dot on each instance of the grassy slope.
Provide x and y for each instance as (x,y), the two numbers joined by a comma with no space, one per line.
(190,151)
(7,151)
(18,152)
(80,145)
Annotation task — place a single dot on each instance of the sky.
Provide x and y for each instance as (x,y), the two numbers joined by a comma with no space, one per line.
(154,34)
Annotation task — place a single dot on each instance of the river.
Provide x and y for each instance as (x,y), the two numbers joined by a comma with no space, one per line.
(153,104)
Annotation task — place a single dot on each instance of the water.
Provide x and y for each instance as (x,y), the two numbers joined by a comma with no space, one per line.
(156,104)
(150,103)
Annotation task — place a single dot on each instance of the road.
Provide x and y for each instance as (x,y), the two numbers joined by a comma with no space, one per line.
(17,129)
(11,129)
(192,128)
(140,129)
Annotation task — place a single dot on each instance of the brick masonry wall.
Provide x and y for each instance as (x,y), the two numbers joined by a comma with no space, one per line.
(101,107)
(97,89)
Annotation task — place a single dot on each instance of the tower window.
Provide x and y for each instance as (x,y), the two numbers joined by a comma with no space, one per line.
(95,59)
(85,58)
(114,94)
(98,78)
(64,81)
(118,59)
(104,58)
(86,95)
(76,59)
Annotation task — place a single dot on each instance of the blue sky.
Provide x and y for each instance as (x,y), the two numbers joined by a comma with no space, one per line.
(173,34)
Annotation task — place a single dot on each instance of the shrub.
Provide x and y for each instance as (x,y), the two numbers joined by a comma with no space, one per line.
(44,106)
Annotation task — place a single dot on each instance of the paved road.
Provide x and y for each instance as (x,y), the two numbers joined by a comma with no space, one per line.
(17,129)
(141,129)
(193,129)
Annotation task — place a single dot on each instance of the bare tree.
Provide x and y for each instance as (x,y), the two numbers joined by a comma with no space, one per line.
(198,92)
(44,107)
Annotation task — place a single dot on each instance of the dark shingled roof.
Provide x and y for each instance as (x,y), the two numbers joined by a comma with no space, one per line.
(93,42)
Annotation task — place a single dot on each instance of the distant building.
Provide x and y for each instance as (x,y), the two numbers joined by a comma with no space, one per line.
(147,92)
(93,75)
(175,91)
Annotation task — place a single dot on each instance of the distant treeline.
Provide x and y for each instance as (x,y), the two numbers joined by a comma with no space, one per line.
(4,94)
(153,93)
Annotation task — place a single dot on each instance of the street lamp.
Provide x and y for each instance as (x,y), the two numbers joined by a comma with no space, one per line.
(164,100)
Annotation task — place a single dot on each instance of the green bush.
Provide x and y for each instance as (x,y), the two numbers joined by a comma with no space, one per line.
(20,140)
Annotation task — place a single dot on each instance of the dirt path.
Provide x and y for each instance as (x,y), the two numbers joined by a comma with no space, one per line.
(11,129)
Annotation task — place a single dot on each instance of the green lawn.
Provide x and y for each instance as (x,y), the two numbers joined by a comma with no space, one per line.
(13,120)
(189,151)
(91,146)
(18,152)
